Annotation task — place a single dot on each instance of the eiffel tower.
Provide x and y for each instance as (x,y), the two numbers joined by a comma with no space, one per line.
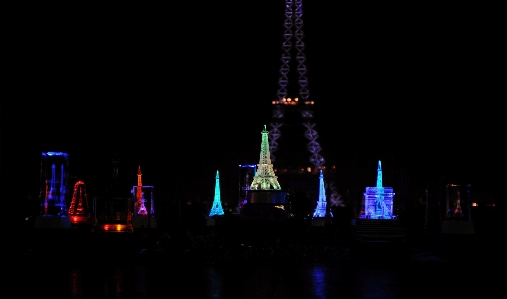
(292,122)
(321,209)
(217,209)
(265,178)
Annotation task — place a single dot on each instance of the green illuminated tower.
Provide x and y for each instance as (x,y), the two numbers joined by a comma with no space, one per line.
(265,178)
(217,204)
(266,201)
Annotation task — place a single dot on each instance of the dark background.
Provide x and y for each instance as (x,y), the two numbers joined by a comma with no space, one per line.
(183,88)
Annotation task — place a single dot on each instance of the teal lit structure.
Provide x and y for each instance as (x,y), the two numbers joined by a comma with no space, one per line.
(321,209)
(217,209)
(378,201)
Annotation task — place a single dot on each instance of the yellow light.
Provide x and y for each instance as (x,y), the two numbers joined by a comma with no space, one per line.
(114,227)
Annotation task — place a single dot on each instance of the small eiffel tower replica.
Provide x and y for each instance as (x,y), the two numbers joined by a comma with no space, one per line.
(458,212)
(321,209)
(456,223)
(217,204)
(265,178)
(266,199)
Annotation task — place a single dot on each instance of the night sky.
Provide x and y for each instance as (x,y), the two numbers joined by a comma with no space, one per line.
(183,88)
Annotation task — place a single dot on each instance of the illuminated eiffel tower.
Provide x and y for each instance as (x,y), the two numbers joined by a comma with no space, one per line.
(140,206)
(217,203)
(292,123)
(321,209)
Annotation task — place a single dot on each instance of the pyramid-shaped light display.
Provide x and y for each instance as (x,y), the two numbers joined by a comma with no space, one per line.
(320,210)
(79,210)
(265,178)
(217,204)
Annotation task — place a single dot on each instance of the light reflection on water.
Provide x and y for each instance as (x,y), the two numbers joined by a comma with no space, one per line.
(214,283)
(76,289)
(318,282)
(140,282)
(377,283)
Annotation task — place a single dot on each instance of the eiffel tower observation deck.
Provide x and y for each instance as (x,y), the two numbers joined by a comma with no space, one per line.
(294,141)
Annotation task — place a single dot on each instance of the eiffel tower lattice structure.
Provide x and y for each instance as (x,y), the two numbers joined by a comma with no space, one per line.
(292,123)
(217,209)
